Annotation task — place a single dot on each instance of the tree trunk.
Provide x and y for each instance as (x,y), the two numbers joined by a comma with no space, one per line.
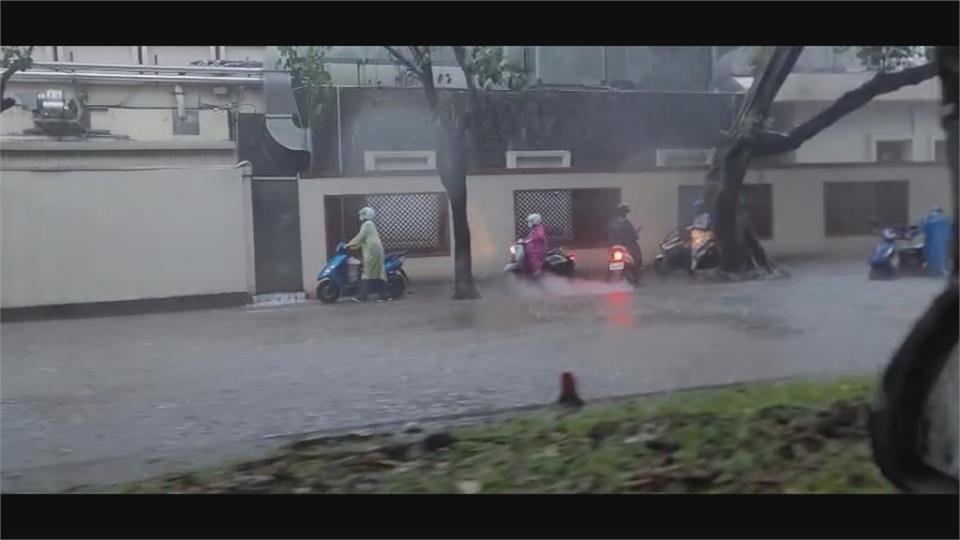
(463,287)
(948,60)
(739,248)
(451,160)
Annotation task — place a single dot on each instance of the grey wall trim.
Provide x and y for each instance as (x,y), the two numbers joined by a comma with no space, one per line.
(112,146)
(124,307)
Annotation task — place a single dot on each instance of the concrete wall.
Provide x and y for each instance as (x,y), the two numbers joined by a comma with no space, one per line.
(140,113)
(797,192)
(853,138)
(93,236)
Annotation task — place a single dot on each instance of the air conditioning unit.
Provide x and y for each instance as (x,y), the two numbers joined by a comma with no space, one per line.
(57,115)
(686,157)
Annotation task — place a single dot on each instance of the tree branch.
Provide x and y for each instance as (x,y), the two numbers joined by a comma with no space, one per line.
(772,142)
(403,60)
(426,75)
(15,60)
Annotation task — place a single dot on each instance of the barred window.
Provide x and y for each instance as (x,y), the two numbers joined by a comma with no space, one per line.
(412,222)
(571,217)
(758,203)
(857,208)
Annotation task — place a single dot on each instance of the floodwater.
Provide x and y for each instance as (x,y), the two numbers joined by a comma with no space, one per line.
(98,401)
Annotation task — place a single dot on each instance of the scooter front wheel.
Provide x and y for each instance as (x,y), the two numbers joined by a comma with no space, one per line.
(327,291)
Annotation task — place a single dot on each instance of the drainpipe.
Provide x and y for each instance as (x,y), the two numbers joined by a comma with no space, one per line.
(339,137)
(181,107)
(536,60)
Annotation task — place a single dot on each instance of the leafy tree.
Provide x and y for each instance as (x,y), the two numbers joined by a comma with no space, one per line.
(311,80)
(751,135)
(483,68)
(14,59)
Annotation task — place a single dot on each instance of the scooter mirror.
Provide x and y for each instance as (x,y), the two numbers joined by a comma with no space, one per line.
(914,424)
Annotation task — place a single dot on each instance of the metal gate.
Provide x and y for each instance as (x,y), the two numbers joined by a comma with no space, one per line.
(276,234)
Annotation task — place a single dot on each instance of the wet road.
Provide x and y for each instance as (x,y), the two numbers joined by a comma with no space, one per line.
(114,399)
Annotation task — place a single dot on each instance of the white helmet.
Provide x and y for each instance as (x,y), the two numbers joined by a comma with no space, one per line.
(367,214)
(534,219)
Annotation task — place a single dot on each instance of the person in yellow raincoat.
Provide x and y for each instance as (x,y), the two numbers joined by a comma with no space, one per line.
(368,242)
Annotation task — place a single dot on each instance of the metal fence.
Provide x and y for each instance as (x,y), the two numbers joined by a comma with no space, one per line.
(556,208)
(416,222)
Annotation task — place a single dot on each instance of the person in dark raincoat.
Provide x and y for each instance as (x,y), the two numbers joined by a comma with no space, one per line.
(623,233)
(936,229)
(373,275)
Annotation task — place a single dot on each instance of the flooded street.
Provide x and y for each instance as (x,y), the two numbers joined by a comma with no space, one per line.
(114,399)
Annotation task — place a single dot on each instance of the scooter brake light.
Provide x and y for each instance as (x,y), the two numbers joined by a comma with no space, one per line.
(618,255)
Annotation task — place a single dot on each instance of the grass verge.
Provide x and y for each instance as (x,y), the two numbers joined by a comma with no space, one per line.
(805,436)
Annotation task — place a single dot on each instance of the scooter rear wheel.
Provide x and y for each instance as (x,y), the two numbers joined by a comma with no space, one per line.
(396,286)
(660,267)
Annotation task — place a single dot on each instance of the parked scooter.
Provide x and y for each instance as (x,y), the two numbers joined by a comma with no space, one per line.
(899,252)
(341,275)
(558,261)
(689,249)
(621,265)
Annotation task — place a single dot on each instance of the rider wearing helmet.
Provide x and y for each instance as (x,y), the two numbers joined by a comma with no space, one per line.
(701,216)
(535,246)
(622,232)
(368,241)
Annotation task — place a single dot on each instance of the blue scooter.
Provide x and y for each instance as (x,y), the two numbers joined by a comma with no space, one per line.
(897,253)
(338,278)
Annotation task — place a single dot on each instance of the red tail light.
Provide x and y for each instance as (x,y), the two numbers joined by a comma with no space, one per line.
(618,255)
(573,256)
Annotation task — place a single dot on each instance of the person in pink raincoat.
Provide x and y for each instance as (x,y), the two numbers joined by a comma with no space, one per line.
(535,246)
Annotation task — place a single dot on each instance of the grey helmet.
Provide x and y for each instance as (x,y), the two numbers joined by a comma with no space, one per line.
(367,214)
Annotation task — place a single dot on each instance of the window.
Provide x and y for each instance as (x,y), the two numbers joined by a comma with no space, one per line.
(178,55)
(940,151)
(572,217)
(538,159)
(98,54)
(757,199)
(858,208)
(412,222)
(894,151)
(687,157)
(399,161)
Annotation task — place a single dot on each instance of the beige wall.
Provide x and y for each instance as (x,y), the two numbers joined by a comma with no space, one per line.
(93,236)
(853,138)
(102,235)
(798,221)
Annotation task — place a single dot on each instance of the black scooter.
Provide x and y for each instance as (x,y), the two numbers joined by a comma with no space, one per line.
(688,249)
(558,261)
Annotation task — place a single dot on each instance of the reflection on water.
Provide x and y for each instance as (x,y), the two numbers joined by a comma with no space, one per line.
(619,309)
